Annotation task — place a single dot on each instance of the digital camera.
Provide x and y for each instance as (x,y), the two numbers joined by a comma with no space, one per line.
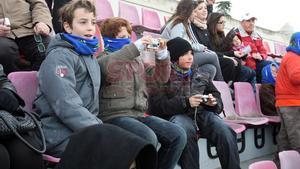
(6,22)
(205,98)
(154,44)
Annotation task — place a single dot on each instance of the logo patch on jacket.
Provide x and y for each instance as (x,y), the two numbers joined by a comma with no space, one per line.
(61,71)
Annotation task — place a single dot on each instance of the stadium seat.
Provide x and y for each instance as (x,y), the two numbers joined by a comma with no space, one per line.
(246,106)
(230,114)
(150,20)
(26,85)
(280,49)
(101,43)
(103,10)
(289,159)
(263,165)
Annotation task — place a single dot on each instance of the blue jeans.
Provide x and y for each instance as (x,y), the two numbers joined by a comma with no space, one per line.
(171,136)
(213,128)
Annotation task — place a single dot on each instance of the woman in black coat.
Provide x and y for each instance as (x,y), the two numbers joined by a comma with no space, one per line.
(14,154)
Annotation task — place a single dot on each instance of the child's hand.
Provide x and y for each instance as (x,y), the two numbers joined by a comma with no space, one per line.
(238,54)
(211,101)
(257,56)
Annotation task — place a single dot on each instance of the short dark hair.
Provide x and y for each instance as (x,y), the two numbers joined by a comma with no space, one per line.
(67,11)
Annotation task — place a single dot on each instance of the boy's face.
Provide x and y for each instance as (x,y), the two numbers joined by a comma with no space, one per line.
(236,41)
(186,60)
(84,24)
(123,33)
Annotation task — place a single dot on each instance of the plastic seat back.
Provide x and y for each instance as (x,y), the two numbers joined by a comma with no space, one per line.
(263,165)
(129,12)
(101,43)
(245,103)
(258,86)
(289,159)
(226,97)
(103,10)
(26,85)
(150,19)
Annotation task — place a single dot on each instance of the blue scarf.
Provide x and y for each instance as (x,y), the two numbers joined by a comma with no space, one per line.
(115,44)
(183,73)
(82,46)
(294,43)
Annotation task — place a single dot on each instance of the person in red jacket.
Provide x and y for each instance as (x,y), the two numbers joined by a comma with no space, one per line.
(287,90)
(256,59)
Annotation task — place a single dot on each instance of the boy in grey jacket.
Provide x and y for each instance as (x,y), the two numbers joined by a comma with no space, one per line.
(69,78)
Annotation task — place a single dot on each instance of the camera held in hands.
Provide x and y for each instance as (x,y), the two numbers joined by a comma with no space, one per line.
(6,22)
(155,43)
(204,98)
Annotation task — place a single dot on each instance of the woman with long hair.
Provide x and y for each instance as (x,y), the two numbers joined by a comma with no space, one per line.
(179,25)
(230,65)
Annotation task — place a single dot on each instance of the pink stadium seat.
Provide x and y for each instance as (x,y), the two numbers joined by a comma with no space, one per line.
(267,47)
(129,12)
(280,48)
(230,114)
(245,103)
(289,159)
(26,84)
(101,43)
(263,165)
(103,10)
(150,20)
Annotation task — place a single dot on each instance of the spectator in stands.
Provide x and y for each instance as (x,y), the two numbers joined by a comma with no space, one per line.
(287,91)
(190,100)
(256,59)
(27,32)
(210,5)
(108,147)
(179,25)
(69,78)
(14,154)
(126,83)
(216,25)
(54,6)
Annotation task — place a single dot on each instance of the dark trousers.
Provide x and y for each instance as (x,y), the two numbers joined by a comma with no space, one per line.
(229,70)
(14,154)
(9,54)
(213,128)
(259,66)
(289,135)
(171,137)
(27,46)
(248,75)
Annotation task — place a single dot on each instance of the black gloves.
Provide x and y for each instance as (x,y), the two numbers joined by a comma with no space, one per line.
(8,101)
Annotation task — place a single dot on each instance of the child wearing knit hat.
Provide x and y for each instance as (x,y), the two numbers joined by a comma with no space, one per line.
(190,100)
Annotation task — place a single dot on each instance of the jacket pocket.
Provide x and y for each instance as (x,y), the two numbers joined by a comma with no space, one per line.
(116,99)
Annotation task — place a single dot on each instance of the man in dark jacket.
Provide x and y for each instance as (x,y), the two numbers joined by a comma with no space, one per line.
(190,100)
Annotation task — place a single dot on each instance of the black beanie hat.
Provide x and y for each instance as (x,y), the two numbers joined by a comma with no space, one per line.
(178,47)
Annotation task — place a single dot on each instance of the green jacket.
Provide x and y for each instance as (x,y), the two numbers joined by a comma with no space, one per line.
(126,81)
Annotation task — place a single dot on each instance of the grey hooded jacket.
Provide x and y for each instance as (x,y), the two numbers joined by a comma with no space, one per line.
(67,98)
